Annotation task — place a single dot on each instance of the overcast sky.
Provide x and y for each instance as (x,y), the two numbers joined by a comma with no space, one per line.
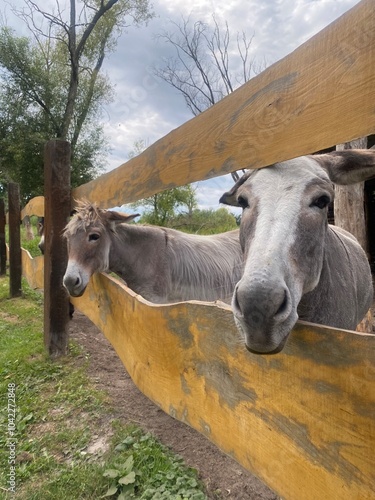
(146,108)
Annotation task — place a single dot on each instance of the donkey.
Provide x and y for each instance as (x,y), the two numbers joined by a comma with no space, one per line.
(161,264)
(296,264)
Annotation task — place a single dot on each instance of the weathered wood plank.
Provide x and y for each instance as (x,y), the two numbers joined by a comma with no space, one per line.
(34,207)
(302,420)
(33,269)
(15,265)
(292,108)
(3,253)
(57,211)
(349,202)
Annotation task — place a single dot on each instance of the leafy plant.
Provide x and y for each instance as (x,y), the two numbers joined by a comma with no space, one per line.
(124,479)
(157,474)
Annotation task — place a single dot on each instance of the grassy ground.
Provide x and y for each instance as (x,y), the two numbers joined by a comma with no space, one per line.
(50,414)
(31,245)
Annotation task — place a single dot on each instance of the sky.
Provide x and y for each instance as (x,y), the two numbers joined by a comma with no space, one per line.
(147,108)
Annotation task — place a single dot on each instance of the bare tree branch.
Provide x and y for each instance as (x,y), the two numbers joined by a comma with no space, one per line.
(206,67)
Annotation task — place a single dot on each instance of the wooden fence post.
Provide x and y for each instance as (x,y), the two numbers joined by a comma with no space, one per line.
(3,252)
(349,202)
(15,262)
(56,215)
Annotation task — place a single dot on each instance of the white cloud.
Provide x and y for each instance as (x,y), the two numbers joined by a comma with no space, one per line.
(123,134)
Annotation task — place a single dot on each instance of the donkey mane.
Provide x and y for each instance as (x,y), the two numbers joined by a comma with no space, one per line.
(86,214)
(211,269)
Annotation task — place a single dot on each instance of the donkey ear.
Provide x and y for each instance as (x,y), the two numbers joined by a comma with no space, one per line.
(119,217)
(230,197)
(348,166)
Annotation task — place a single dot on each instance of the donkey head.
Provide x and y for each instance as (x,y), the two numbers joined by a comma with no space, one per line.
(283,236)
(88,236)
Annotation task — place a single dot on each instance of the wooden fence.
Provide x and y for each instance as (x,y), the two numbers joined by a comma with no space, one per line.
(302,420)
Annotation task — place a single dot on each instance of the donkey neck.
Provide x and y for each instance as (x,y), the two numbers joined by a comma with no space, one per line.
(164,265)
(137,255)
(335,300)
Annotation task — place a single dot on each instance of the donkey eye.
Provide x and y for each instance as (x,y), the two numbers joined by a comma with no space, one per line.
(321,202)
(243,203)
(94,236)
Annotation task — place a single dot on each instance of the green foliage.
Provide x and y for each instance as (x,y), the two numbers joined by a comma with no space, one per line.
(51,87)
(58,412)
(31,245)
(206,221)
(145,469)
(32,99)
(196,222)
(123,479)
(177,208)
(162,207)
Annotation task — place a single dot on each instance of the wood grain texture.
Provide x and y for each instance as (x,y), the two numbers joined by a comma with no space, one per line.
(57,154)
(33,269)
(302,420)
(15,260)
(318,96)
(349,204)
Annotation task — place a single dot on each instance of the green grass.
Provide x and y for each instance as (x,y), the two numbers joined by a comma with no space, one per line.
(31,245)
(59,413)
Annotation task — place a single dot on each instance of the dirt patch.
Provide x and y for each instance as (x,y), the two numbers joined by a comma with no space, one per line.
(223,476)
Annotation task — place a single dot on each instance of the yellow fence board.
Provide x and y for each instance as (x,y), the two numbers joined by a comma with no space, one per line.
(34,207)
(33,269)
(302,420)
(292,108)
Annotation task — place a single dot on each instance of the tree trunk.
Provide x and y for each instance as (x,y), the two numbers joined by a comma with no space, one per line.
(29,230)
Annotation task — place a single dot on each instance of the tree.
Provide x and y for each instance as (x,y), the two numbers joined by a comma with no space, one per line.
(177,208)
(161,208)
(208,65)
(138,147)
(54,80)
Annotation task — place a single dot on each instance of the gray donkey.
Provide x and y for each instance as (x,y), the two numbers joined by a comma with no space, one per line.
(296,265)
(161,264)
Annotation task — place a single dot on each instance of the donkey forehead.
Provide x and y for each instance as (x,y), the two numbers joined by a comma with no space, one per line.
(81,225)
(292,177)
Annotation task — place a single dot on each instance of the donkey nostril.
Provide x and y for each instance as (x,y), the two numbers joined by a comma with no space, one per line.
(77,281)
(283,305)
